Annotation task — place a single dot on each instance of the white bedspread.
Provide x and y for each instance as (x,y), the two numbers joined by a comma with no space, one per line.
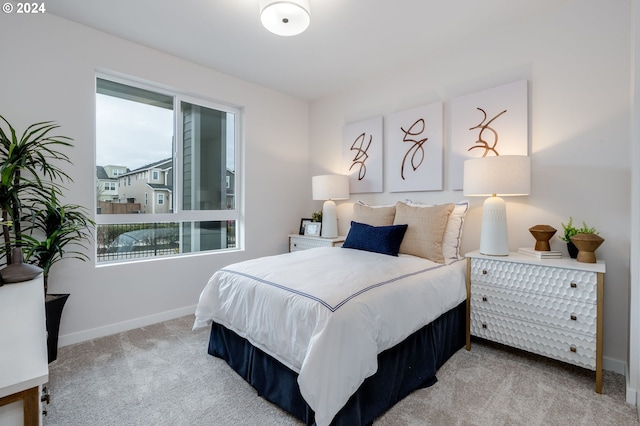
(326,313)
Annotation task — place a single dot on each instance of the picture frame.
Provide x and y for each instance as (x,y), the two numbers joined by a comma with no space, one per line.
(362,155)
(486,123)
(303,225)
(313,229)
(415,149)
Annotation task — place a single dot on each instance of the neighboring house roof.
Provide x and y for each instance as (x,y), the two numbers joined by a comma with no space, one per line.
(160,186)
(168,162)
(101,173)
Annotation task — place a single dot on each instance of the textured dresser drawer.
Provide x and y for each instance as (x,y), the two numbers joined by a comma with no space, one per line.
(296,244)
(577,349)
(570,315)
(571,284)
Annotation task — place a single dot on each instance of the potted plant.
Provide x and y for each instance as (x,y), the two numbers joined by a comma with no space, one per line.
(34,224)
(581,242)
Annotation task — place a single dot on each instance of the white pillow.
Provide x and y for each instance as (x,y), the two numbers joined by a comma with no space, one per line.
(453,231)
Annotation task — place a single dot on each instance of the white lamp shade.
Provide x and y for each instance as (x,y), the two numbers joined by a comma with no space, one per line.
(498,175)
(285,17)
(493,176)
(330,187)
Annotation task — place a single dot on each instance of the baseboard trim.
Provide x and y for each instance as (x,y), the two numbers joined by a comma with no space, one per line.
(95,333)
(615,365)
(632,397)
(631,394)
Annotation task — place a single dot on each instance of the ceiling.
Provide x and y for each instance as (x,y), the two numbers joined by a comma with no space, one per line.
(347,41)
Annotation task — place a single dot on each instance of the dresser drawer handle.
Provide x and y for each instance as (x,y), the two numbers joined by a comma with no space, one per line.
(484,272)
(574,285)
(574,318)
(573,349)
(484,298)
(484,325)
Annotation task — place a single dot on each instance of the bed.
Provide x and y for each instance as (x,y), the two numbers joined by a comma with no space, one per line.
(339,335)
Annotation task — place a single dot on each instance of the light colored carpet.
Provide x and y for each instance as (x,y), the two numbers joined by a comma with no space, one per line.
(162,375)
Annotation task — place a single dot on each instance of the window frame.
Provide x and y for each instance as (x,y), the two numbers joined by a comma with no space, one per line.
(179,215)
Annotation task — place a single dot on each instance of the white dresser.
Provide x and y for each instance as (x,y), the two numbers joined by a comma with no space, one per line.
(23,352)
(305,242)
(550,307)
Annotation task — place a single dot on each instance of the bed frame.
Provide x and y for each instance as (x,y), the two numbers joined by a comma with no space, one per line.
(410,365)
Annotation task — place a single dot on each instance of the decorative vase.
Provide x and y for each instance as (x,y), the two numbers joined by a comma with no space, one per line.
(542,234)
(18,271)
(53,310)
(572,249)
(587,245)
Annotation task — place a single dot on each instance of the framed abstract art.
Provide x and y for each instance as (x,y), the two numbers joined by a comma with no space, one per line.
(487,123)
(362,155)
(415,149)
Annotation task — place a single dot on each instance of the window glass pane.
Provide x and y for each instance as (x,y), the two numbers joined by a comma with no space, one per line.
(133,241)
(134,134)
(210,235)
(144,209)
(208,158)
(138,241)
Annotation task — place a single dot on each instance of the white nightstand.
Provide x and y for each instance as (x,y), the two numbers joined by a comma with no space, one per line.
(24,367)
(551,307)
(305,242)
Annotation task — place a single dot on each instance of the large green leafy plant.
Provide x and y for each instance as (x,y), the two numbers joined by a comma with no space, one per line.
(31,183)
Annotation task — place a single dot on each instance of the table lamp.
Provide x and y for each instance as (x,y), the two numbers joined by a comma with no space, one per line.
(503,175)
(329,188)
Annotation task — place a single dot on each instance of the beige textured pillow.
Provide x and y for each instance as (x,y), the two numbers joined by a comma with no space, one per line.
(453,231)
(374,216)
(426,229)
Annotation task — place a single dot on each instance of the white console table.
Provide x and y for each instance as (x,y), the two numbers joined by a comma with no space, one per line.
(24,366)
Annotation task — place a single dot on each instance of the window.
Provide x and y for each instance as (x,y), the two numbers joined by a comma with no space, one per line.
(188,147)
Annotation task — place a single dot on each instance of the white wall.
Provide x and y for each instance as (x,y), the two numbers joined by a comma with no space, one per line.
(633,383)
(577,62)
(48,71)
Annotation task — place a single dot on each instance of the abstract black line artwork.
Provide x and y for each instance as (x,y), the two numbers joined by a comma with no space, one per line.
(488,123)
(362,155)
(415,149)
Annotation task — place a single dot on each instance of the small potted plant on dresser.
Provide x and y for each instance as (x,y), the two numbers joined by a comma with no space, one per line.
(35,225)
(581,242)
(570,231)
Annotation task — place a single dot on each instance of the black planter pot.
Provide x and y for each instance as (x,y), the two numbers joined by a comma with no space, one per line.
(573,250)
(53,309)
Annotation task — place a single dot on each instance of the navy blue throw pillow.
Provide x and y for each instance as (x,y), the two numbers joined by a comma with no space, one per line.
(378,239)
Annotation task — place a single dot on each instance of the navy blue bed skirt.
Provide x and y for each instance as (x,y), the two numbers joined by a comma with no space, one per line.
(410,365)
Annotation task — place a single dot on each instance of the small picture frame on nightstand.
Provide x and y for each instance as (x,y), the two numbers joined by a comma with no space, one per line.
(313,229)
(303,225)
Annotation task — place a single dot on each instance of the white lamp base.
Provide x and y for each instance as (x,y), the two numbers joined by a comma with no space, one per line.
(329,220)
(493,238)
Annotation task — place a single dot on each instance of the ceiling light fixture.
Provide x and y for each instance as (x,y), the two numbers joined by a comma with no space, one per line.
(285,18)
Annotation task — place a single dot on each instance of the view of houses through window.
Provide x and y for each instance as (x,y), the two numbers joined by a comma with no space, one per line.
(165,173)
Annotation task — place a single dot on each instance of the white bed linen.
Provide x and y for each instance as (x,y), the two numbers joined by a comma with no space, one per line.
(326,313)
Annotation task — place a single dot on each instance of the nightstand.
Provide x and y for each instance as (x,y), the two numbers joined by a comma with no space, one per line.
(551,307)
(305,242)
(23,358)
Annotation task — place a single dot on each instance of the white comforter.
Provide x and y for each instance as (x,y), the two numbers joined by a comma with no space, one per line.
(327,313)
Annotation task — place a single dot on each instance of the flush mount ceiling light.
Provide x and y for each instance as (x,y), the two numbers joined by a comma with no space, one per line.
(285,18)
